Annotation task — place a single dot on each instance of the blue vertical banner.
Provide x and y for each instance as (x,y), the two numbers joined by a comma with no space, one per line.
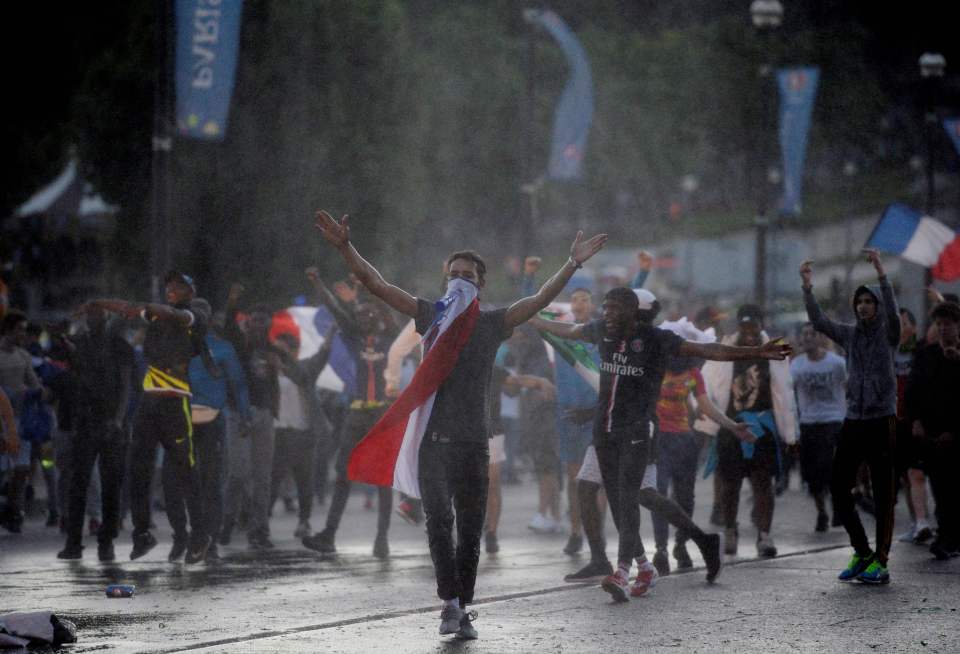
(574,113)
(798,92)
(952,125)
(208,40)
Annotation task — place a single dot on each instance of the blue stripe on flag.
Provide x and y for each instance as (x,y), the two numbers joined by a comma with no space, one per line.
(896,227)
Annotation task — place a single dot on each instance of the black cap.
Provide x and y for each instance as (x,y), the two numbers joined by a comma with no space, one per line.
(177,276)
(749,313)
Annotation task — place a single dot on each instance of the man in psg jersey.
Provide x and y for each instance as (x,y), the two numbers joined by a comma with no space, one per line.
(633,359)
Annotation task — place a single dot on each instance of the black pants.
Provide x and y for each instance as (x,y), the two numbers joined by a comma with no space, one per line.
(453,472)
(356,425)
(733,467)
(95,440)
(623,457)
(872,441)
(166,421)
(942,466)
(677,468)
(294,451)
(207,478)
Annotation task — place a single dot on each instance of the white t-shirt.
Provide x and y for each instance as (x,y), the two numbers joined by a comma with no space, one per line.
(821,388)
(292,413)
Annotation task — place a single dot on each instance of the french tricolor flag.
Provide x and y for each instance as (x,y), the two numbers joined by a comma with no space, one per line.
(389,454)
(906,232)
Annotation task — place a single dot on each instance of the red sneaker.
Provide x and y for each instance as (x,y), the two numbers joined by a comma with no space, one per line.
(646,579)
(618,586)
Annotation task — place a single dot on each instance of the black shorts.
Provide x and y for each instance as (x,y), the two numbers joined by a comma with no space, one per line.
(818,441)
(910,449)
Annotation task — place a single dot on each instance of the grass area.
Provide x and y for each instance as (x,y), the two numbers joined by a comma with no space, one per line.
(870,194)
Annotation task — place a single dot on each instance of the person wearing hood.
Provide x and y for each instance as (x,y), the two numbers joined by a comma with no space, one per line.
(869,429)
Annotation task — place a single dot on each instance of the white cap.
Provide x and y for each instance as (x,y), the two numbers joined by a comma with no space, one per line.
(645,297)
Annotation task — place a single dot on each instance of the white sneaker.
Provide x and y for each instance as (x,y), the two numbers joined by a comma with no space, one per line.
(303,530)
(538,523)
(909,534)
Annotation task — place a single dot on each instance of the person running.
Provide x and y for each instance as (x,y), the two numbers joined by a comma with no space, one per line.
(102,365)
(454,453)
(634,355)
(869,429)
(174,336)
(759,393)
(930,393)
(820,380)
(369,338)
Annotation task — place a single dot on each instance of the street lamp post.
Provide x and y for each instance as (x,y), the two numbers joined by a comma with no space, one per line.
(932,67)
(767,16)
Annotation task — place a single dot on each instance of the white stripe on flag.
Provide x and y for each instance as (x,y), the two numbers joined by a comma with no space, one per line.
(928,242)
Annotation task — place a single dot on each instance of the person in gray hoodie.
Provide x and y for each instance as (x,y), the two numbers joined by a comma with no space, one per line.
(869,429)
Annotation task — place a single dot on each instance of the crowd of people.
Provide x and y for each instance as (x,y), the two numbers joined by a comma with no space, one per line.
(600,395)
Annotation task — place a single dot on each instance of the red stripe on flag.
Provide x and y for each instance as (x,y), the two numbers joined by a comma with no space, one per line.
(947,267)
(374,458)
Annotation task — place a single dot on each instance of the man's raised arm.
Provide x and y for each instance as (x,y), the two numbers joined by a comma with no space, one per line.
(568,330)
(526,308)
(338,235)
(134,309)
(774,349)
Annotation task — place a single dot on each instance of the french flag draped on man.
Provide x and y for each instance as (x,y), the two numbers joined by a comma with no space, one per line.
(921,239)
(389,454)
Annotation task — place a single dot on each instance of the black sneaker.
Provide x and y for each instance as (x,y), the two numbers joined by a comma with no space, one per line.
(260,543)
(661,562)
(199,545)
(682,556)
(381,548)
(105,551)
(574,544)
(592,572)
(467,630)
(942,551)
(322,542)
(213,555)
(710,548)
(450,617)
(178,549)
(71,552)
(142,543)
(490,543)
(823,522)
(226,534)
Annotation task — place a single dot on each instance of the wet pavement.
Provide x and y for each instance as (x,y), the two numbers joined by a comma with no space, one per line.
(293,600)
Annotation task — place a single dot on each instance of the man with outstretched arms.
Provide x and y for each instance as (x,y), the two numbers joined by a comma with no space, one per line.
(174,335)
(633,360)
(443,416)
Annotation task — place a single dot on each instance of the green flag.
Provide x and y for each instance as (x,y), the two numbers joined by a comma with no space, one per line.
(574,353)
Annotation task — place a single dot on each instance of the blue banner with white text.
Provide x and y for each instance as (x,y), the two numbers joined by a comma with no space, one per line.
(952,125)
(207,43)
(798,92)
(574,113)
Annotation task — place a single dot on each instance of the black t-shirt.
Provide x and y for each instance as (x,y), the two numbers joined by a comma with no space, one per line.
(462,408)
(750,390)
(370,354)
(169,345)
(631,372)
(100,364)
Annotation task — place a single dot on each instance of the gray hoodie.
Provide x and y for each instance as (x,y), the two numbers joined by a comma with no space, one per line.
(870,347)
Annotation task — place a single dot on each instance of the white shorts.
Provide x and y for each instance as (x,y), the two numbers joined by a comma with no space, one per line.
(498,450)
(590,471)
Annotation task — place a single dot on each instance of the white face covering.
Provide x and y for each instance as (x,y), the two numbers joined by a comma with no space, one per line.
(458,286)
